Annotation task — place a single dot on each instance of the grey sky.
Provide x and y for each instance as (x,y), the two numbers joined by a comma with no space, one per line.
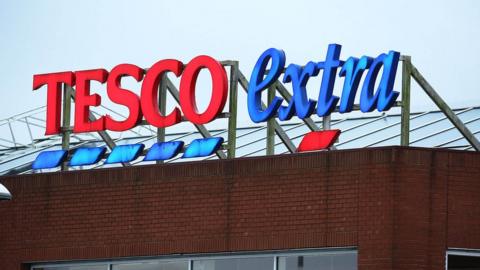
(50,36)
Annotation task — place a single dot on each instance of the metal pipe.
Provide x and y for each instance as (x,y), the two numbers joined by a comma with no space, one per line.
(369,133)
(441,131)
(416,128)
(456,139)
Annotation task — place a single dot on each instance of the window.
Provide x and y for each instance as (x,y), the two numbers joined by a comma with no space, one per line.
(158,265)
(325,261)
(78,267)
(461,259)
(321,259)
(252,263)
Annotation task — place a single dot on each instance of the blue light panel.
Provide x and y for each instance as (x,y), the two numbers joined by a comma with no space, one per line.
(203,147)
(164,150)
(49,159)
(125,153)
(87,156)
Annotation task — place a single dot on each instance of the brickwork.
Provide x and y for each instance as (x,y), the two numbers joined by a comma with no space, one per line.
(401,207)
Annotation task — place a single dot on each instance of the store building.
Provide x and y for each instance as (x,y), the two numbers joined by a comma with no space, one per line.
(377,208)
(397,190)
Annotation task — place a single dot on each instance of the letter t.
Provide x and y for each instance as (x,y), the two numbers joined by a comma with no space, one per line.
(54,83)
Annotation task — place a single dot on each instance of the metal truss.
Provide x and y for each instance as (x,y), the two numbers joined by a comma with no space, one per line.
(23,133)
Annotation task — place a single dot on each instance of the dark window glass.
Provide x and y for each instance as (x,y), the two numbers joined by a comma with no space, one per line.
(456,262)
(82,267)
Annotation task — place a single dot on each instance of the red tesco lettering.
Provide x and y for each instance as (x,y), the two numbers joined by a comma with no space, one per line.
(145,106)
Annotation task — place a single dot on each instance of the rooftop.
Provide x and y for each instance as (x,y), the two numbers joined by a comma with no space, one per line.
(22,136)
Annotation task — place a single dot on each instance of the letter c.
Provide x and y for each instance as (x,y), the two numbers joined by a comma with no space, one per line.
(149,93)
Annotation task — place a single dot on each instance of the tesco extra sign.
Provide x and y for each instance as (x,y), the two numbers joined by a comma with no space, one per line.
(146,105)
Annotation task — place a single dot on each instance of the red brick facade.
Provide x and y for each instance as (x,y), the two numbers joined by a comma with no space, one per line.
(401,207)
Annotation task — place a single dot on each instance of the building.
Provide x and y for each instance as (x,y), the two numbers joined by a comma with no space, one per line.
(383,198)
(378,208)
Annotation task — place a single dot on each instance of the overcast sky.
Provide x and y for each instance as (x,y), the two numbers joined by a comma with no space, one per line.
(50,36)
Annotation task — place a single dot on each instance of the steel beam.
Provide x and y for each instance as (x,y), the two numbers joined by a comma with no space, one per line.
(67,106)
(271,124)
(201,128)
(13,135)
(103,134)
(405,116)
(29,131)
(326,122)
(162,106)
(232,110)
(445,108)
(278,128)
(287,96)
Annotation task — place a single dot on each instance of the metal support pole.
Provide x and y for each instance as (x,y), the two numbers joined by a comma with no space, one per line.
(405,117)
(13,135)
(232,109)
(103,134)
(162,106)
(327,125)
(270,124)
(287,96)
(67,105)
(201,128)
(326,122)
(278,128)
(30,132)
(461,127)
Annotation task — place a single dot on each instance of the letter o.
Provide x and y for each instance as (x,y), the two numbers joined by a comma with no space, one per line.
(187,89)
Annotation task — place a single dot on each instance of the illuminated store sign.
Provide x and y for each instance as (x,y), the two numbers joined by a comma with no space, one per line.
(146,105)
(352,69)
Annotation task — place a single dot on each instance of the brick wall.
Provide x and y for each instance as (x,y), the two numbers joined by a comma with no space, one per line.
(401,207)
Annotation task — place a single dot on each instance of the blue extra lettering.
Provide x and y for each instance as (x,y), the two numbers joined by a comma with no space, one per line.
(258,83)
